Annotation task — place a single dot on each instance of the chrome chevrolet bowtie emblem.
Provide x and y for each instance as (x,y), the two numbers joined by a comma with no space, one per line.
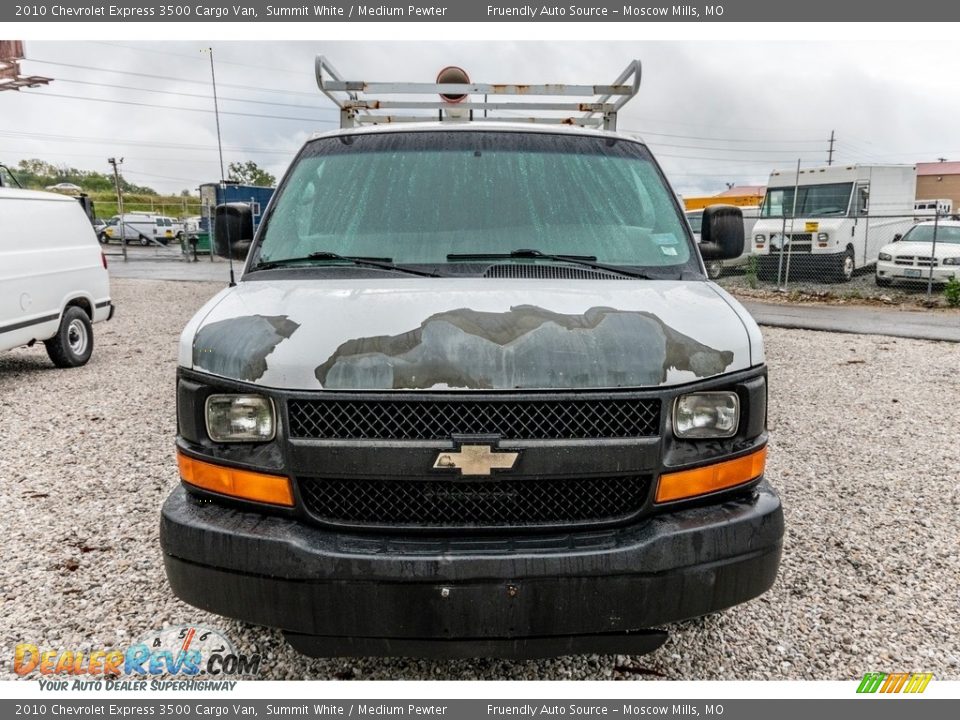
(476,460)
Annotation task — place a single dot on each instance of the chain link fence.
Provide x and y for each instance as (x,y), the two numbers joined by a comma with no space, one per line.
(870,256)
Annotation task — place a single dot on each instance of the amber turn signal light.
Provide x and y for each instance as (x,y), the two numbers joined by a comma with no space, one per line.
(711,478)
(243,484)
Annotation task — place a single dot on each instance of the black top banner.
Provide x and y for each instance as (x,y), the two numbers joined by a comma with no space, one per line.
(479,11)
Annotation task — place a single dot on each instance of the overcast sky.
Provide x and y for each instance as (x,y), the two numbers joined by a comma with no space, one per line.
(712,113)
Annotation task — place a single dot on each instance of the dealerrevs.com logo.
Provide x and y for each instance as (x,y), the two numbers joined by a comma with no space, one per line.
(185,651)
(878,682)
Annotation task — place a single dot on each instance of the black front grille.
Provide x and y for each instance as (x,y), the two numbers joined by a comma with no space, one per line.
(490,503)
(534,419)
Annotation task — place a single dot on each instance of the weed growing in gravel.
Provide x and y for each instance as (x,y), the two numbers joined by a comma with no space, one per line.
(952,292)
(751,272)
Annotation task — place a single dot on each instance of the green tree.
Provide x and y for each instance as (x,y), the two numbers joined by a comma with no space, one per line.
(38,174)
(249,173)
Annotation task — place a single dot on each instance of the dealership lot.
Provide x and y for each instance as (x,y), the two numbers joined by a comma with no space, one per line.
(862,450)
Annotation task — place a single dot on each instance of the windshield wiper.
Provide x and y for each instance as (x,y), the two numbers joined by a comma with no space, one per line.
(357,260)
(584,260)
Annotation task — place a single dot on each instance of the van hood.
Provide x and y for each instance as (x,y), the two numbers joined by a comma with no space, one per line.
(465,334)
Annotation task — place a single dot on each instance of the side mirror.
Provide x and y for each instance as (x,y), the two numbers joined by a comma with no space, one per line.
(721,233)
(897,238)
(232,230)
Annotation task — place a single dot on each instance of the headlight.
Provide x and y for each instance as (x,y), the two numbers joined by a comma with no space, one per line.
(886,257)
(706,415)
(952,260)
(822,237)
(240,418)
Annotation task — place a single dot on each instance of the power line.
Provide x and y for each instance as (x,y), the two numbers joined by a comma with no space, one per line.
(778,151)
(191,57)
(190,95)
(732,161)
(726,139)
(175,79)
(31,153)
(88,139)
(184,109)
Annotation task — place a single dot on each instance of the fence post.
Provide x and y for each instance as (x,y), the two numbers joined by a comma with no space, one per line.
(933,251)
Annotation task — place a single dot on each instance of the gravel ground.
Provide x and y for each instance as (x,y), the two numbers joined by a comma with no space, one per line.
(863,451)
(860,288)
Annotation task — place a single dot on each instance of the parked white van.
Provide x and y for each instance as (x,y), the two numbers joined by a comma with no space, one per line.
(53,278)
(144,228)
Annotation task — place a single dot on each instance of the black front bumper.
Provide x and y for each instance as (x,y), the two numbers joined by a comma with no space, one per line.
(339,593)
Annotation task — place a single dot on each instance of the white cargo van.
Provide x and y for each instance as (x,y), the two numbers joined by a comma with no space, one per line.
(832,220)
(144,228)
(53,276)
(473,393)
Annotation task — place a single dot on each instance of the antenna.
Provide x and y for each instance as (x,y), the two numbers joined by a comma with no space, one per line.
(216,113)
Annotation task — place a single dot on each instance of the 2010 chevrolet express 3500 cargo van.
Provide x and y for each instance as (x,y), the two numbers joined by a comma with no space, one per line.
(473,395)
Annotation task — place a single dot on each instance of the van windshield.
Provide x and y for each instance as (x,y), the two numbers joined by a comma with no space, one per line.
(417,197)
(812,201)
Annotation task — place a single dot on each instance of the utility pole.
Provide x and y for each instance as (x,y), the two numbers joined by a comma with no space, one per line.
(830,152)
(122,224)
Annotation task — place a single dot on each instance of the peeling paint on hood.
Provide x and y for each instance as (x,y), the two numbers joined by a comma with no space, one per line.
(525,347)
(474,334)
(238,347)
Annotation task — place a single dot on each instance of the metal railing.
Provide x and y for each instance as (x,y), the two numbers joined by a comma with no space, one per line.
(360,102)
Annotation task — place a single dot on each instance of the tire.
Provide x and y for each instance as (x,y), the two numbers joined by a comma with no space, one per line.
(882,282)
(714,269)
(103,239)
(73,343)
(843,272)
(144,240)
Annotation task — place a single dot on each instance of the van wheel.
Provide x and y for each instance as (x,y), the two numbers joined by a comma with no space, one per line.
(73,343)
(144,240)
(845,266)
(714,269)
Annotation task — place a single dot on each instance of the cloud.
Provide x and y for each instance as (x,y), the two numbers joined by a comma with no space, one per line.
(712,112)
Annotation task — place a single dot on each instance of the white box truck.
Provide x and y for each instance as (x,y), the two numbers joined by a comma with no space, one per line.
(830,221)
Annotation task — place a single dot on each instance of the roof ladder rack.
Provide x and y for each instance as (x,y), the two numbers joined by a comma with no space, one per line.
(592,105)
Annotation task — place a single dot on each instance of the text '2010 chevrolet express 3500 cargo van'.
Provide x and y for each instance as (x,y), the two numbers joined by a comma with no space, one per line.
(473,394)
